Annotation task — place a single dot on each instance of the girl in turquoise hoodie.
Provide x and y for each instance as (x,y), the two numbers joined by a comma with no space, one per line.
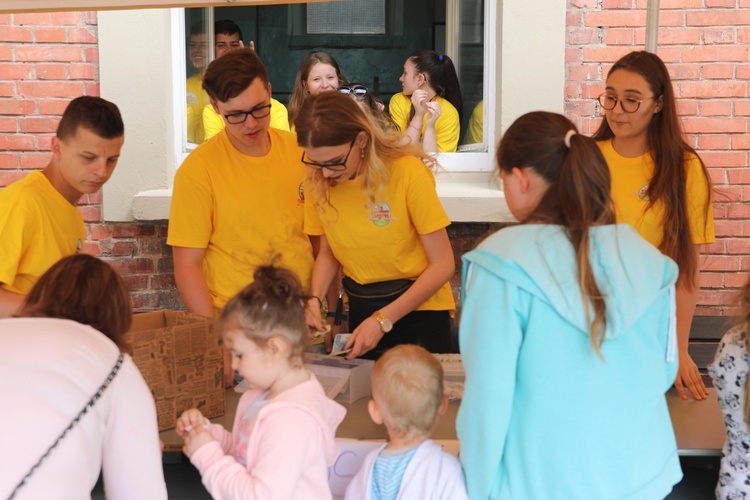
(567,334)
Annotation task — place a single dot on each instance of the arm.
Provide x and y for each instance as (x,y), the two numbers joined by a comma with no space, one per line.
(688,374)
(10,303)
(430,142)
(491,336)
(131,455)
(439,270)
(418,102)
(325,269)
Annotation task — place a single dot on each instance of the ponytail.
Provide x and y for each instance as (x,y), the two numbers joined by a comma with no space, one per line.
(578,197)
(441,76)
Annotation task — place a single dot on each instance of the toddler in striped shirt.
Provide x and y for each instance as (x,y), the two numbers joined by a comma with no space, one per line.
(407,397)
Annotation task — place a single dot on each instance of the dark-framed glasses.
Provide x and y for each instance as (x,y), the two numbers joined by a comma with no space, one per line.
(356,90)
(336,166)
(628,105)
(240,116)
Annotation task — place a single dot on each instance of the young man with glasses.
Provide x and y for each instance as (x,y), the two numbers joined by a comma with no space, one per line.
(237,201)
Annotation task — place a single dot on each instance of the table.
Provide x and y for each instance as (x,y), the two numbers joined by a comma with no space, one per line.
(698,425)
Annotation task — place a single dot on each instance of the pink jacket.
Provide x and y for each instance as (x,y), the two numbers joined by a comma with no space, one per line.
(289,448)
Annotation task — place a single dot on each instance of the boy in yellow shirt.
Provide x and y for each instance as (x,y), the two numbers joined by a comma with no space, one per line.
(39,219)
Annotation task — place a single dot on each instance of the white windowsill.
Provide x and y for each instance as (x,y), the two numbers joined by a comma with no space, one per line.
(466,196)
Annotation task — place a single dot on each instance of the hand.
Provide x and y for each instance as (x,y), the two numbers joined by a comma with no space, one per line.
(689,376)
(188,420)
(433,112)
(195,438)
(418,101)
(364,338)
(312,317)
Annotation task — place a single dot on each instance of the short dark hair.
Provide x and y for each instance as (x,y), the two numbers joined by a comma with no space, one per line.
(197,29)
(229,76)
(94,113)
(85,289)
(227,27)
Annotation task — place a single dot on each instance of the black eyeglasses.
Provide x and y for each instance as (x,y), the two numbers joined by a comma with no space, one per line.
(336,166)
(240,116)
(628,105)
(357,90)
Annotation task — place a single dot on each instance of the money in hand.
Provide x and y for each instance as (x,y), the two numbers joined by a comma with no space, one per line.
(338,344)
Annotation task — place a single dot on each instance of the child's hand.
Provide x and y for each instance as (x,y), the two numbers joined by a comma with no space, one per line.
(195,438)
(190,419)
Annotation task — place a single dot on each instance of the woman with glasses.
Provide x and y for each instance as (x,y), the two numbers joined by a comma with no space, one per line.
(372,201)
(660,186)
(318,72)
(430,107)
(364,98)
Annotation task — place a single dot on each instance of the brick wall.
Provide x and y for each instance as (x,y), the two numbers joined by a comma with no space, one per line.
(46,59)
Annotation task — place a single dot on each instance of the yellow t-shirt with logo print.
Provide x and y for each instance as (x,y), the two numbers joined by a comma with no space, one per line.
(38,227)
(381,241)
(630,179)
(197,99)
(243,210)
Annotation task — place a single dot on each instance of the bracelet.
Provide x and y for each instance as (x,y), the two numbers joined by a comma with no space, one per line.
(320,302)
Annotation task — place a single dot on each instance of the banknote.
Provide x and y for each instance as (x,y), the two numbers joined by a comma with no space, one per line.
(338,344)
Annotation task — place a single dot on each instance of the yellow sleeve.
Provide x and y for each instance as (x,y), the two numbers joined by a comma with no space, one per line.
(447,128)
(474,135)
(16,233)
(279,115)
(425,209)
(191,213)
(213,123)
(399,107)
(700,210)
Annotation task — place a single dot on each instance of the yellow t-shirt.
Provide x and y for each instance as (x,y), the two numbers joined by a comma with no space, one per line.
(213,123)
(38,227)
(476,125)
(243,210)
(382,242)
(197,99)
(630,179)
(447,127)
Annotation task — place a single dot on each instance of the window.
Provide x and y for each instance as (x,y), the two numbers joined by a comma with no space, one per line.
(144,65)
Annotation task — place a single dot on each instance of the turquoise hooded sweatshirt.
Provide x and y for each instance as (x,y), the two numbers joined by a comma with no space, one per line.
(543,416)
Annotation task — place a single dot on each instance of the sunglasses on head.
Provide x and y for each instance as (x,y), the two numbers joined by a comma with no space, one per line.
(357,90)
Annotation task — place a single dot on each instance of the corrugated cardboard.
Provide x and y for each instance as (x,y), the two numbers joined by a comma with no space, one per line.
(180,357)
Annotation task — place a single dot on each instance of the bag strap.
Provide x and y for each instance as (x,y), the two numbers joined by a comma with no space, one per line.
(84,411)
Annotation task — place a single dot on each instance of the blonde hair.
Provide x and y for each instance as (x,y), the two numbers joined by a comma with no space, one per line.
(407,385)
(333,119)
(300,91)
(272,305)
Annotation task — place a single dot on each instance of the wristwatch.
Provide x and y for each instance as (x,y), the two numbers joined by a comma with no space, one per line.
(386,325)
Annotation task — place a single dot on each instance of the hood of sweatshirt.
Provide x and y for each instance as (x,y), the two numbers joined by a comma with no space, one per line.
(630,273)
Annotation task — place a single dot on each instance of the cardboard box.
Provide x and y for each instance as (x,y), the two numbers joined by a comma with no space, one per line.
(344,380)
(180,357)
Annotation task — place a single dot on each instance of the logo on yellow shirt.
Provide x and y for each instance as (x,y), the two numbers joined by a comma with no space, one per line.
(643,193)
(381,214)
(192,99)
(301,194)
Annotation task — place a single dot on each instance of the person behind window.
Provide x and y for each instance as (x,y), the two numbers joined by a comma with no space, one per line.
(39,217)
(660,185)
(369,102)
(475,130)
(318,72)
(228,36)
(372,201)
(283,438)
(430,107)
(238,198)
(567,299)
(54,356)
(197,99)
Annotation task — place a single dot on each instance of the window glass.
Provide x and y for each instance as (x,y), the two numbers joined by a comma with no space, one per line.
(357,17)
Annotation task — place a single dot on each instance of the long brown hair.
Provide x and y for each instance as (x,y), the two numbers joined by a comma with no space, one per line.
(579,193)
(333,119)
(85,289)
(670,153)
(300,82)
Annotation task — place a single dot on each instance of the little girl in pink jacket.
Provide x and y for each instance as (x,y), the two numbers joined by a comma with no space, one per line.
(282,441)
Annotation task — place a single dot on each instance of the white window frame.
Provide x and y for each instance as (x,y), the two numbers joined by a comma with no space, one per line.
(142,70)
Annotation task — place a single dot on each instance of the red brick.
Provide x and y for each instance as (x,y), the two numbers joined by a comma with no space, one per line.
(95,198)
(671,18)
(673,4)
(52,71)
(714,141)
(738,246)
(740,141)
(619,36)
(132,230)
(16,142)
(715,53)
(90,17)
(738,211)
(44,142)
(91,88)
(721,3)
(743,34)
(719,17)
(100,231)
(716,248)
(687,107)
(139,266)
(713,125)
(735,280)
(83,71)
(617,4)
(92,248)
(144,300)
(124,248)
(7,89)
(711,280)
(719,36)
(738,175)
(712,89)
(91,54)
(16,71)
(8,125)
(721,263)
(725,228)
(8,161)
(716,108)
(53,106)
(716,297)
(573,18)
(583,36)
(16,34)
(679,36)
(6,53)
(50,35)
(724,159)
(669,54)
(5,19)
(616,18)
(721,71)
(34,160)
(48,53)
(51,89)
(33,124)
(583,72)
(91,213)
(82,35)
(742,71)
(48,18)
(9,177)
(728,194)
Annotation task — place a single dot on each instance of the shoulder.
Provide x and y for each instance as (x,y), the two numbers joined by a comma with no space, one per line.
(284,140)
(399,100)
(448,108)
